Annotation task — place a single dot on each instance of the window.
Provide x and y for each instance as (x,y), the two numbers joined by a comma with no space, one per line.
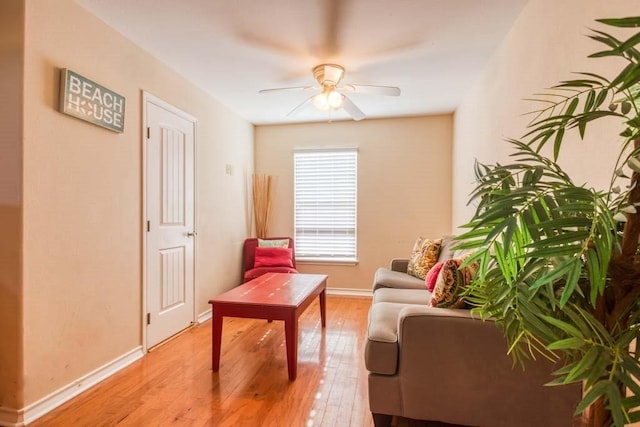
(325,204)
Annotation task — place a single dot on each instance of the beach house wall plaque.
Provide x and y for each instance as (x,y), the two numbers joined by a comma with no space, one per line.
(87,100)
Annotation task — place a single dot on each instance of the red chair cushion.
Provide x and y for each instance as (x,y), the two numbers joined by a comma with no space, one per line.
(248,259)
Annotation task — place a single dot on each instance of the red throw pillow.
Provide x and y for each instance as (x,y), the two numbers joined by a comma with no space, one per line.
(432,276)
(273,257)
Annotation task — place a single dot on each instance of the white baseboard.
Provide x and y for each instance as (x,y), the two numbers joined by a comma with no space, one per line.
(10,417)
(68,392)
(203,317)
(347,292)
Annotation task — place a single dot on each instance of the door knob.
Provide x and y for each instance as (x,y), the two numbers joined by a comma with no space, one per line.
(192,234)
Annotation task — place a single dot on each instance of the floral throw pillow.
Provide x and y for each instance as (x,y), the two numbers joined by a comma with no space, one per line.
(451,282)
(423,256)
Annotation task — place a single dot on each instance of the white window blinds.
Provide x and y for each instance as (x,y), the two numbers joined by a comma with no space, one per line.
(325,183)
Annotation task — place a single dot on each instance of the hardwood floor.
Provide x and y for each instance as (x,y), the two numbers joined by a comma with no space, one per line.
(174,384)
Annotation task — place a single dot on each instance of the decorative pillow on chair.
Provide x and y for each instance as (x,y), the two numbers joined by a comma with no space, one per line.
(450,283)
(273,243)
(432,276)
(423,256)
(273,257)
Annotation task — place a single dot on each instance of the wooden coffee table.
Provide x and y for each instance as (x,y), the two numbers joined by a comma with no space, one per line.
(272,296)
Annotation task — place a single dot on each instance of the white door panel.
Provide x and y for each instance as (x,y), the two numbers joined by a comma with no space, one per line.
(170,234)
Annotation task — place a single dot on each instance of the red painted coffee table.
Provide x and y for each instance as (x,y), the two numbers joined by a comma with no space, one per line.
(272,296)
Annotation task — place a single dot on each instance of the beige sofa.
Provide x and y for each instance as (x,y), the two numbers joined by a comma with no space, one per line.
(447,365)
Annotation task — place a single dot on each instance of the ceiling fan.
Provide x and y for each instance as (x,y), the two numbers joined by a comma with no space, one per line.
(331,96)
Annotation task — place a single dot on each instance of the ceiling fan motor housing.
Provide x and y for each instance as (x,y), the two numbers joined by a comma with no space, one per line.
(328,74)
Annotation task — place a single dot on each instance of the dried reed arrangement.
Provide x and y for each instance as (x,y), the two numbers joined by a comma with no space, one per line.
(261,203)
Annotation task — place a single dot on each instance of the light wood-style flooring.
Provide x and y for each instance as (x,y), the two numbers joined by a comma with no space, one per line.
(174,385)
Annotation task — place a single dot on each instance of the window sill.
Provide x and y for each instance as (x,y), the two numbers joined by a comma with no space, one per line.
(327,261)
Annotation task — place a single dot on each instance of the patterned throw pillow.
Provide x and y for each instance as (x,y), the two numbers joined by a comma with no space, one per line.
(432,276)
(423,256)
(273,243)
(450,283)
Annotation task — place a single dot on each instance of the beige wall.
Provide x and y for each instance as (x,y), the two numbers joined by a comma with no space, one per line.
(404,185)
(11,58)
(82,197)
(544,46)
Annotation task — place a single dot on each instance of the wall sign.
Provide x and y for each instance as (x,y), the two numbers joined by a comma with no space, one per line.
(87,100)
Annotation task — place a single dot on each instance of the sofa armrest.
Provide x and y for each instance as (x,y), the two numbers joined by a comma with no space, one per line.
(452,356)
(399,264)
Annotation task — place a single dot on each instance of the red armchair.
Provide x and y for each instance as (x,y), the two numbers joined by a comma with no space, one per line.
(251,271)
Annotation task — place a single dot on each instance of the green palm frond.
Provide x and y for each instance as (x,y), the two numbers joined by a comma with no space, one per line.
(552,272)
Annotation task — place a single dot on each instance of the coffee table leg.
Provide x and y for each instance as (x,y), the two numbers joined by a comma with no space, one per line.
(216,340)
(323,315)
(291,339)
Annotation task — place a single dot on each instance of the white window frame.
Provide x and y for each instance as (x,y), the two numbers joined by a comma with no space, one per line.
(345,248)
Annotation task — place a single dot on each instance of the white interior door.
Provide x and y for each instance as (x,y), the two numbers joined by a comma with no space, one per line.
(170,233)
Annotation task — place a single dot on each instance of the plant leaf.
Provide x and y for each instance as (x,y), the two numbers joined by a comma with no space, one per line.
(630,22)
(564,326)
(557,143)
(583,365)
(567,343)
(597,390)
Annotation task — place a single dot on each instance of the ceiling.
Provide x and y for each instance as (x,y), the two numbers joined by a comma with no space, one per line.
(432,49)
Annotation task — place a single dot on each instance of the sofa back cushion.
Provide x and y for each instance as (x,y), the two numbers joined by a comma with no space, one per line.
(446,251)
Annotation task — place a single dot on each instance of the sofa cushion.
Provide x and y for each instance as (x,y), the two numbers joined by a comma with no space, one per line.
(446,248)
(423,256)
(451,282)
(385,278)
(399,264)
(402,296)
(381,348)
(462,253)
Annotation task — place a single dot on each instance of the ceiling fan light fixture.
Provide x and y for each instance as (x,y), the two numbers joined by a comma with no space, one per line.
(330,100)
(321,102)
(334,99)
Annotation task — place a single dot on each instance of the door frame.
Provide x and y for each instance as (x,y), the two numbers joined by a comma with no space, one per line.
(149,98)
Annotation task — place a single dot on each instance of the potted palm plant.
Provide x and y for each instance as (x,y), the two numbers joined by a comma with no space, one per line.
(559,266)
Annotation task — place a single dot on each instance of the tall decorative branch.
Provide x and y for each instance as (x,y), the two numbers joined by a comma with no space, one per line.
(261,203)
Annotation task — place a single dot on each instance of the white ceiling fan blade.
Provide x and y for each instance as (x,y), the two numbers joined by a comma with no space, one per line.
(352,109)
(299,107)
(293,88)
(373,90)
